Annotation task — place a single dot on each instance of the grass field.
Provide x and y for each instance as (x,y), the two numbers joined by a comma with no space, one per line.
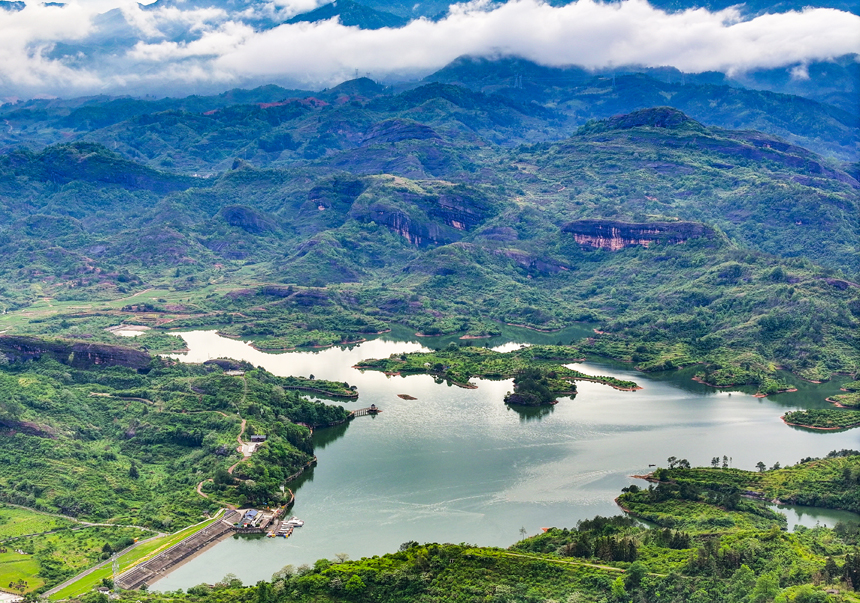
(16,522)
(135,556)
(75,548)
(16,569)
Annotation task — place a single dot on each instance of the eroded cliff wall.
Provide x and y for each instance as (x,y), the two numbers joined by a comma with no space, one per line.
(613,235)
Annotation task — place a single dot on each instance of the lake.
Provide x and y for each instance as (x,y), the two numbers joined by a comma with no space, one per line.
(458,465)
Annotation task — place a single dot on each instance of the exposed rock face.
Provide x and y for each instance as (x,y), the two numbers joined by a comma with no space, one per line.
(612,235)
(426,219)
(76,354)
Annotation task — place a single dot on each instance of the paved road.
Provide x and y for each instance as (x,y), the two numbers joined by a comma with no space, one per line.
(89,571)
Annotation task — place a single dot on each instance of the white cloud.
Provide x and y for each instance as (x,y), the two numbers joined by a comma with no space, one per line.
(222,48)
(586,33)
(27,35)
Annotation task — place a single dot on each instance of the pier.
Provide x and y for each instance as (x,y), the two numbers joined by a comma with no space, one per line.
(370,410)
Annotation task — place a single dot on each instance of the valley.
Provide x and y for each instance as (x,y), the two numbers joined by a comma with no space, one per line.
(606,321)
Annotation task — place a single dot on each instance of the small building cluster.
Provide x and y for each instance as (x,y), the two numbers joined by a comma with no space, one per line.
(255,519)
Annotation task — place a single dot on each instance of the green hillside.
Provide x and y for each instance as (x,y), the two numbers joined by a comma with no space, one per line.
(684,244)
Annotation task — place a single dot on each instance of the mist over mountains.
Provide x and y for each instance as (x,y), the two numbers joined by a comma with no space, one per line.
(206,46)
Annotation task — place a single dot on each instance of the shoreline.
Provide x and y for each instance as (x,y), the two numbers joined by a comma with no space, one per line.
(789,390)
(470,386)
(601,382)
(838,404)
(301,388)
(513,324)
(845,428)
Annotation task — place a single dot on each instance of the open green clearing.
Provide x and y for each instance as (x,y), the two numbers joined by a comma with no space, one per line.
(51,558)
(16,522)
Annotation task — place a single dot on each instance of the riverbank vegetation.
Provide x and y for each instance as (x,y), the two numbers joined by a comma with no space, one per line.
(850,399)
(737,553)
(532,388)
(460,364)
(832,482)
(322,387)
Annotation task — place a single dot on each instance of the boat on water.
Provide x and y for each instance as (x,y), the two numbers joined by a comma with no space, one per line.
(295,522)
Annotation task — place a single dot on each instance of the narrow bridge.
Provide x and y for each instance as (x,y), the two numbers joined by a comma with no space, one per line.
(370,410)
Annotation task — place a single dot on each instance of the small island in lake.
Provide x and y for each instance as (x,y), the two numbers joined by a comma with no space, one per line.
(532,387)
(535,369)
(823,419)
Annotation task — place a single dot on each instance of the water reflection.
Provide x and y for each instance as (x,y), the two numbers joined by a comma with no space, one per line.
(811,517)
(324,437)
(531,413)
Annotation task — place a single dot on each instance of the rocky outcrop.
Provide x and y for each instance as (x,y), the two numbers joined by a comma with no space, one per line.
(429,217)
(75,354)
(612,235)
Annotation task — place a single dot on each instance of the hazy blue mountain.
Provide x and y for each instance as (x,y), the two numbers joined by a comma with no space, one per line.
(710,98)
(352,14)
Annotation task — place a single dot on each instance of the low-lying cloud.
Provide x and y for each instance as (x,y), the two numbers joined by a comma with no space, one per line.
(219,48)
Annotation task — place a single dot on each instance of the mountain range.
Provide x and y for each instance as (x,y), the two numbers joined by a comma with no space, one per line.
(492,192)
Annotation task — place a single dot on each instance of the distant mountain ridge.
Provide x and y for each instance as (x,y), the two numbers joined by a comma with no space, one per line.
(351,14)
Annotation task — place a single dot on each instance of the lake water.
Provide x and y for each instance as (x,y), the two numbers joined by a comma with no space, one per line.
(458,465)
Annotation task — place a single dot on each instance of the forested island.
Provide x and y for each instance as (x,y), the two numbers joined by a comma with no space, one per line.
(538,371)
(823,418)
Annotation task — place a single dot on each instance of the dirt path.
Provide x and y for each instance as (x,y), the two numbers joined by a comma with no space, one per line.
(240,449)
(241,433)
(608,568)
(132,296)
(87,524)
(200,488)
(229,506)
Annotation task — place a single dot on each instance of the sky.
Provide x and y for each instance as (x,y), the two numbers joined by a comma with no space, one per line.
(76,49)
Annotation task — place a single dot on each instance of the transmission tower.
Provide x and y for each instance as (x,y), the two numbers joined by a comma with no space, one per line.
(115,568)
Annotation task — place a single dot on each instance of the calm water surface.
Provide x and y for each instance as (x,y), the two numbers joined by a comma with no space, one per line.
(458,465)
